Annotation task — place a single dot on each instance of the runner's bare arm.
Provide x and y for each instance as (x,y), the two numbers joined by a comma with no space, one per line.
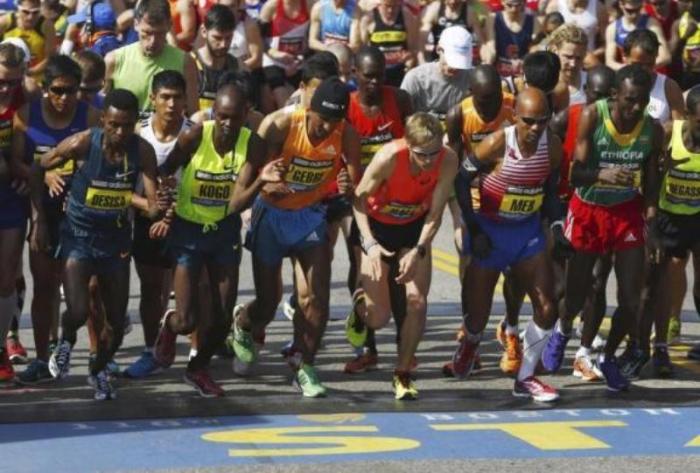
(251,178)
(149,173)
(315,40)
(19,168)
(351,153)
(187,142)
(443,189)
(489,152)
(652,176)
(580,176)
(453,123)
(403,99)
(192,81)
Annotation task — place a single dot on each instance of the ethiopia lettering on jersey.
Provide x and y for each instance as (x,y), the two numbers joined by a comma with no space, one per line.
(212,189)
(305,174)
(108,195)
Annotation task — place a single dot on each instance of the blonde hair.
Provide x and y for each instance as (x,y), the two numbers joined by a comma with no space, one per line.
(568,33)
(422,128)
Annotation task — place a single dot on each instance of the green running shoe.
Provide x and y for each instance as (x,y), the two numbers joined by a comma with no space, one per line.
(674,331)
(355,330)
(243,343)
(306,380)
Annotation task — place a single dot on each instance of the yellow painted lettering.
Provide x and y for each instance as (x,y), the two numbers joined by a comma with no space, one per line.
(694,443)
(544,435)
(309,444)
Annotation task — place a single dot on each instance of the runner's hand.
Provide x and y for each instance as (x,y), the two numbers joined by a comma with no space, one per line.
(375,253)
(479,242)
(407,267)
(616,176)
(277,190)
(274,171)
(54,182)
(159,230)
(653,241)
(562,246)
(344,182)
(459,238)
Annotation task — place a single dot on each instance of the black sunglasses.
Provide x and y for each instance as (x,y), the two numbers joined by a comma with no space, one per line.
(535,121)
(63,90)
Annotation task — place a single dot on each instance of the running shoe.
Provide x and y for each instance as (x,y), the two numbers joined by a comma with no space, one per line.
(694,353)
(598,343)
(36,372)
(355,330)
(614,377)
(513,355)
(145,366)
(661,363)
(366,362)
(165,346)
(586,369)
(404,387)
(243,343)
(288,307)
(460,334)
(534,388)
(501,333)
(448,371)
(463,358)
(553,354)
(59,363)
(104,391)
(15,351)
(201,381)
(674,331)
(306,380)
(632,361)
(112,367)
(7,372)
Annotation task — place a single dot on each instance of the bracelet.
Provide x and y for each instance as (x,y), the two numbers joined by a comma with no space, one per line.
(421,250)
(366,245)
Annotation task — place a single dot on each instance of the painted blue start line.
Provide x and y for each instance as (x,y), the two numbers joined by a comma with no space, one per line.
(222,441)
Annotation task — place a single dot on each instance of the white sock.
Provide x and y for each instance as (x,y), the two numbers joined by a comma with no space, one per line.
(193,353)
(583,352)
(8,310)
(533,346)
(512,329)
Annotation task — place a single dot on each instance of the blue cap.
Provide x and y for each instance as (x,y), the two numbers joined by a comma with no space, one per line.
(103,17)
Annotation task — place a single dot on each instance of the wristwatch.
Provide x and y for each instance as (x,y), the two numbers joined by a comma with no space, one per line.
(421,250)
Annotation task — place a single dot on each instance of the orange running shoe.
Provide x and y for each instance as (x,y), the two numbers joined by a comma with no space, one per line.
(365,362)
(501,333)
(513,356)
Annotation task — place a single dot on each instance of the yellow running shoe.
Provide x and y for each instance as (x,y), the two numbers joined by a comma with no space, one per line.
(355,330)
(404,387)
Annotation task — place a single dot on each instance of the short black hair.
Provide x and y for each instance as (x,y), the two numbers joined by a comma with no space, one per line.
(556,17)
(168,79)
(92,65)
(123,100)
(644,39)
(61,66)
(541,70)
(321,66)
(637,74)
(220,18)
(158,11)
(242,79)
(604,72)
(371,52)
(692,100)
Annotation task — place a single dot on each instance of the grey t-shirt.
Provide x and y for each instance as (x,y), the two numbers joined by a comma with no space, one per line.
(432,92)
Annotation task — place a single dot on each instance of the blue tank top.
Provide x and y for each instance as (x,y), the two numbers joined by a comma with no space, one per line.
(41,138)
(100,194)
(621,33)
(335,27)
(511,45)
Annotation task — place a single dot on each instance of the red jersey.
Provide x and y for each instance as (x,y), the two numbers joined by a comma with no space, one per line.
(568,147)
(376,131)
(666,22)
(289,34)
(404,197)
(7,116)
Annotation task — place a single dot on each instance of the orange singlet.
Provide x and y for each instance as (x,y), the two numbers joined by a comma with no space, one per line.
(404,197)
(312,168)
(376,131)
(568,147)
(475,129)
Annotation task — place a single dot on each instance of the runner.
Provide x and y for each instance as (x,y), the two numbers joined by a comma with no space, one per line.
(615,163)
(153,260)
(95,237)
(378,113)
(521,168)
(288,220)
(442,14)
(205,233)
(398,208)
(30,26)
(38,127)
(569,43)
(335,21)
(509,34)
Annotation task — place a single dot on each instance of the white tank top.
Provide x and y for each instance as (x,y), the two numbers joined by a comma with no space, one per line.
(161,148)
(579,96)
(658,104)
(239,43)
(586,20)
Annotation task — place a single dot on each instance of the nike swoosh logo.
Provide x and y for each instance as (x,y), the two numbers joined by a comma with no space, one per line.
(384,126)
(121,175)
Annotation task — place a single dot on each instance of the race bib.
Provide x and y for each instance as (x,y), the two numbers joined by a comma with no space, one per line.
(402,211)
(108,196)
(212,189)
(520,202)
(683,187)
(306,175)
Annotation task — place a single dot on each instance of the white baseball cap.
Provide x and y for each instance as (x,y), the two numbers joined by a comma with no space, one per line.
(456,44)
(19,43)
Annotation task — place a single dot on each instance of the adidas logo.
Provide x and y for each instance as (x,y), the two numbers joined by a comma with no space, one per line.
(603,142)
(313,237)
(630,238)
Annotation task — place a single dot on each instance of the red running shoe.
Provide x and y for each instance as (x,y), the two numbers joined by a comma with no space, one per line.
(365,362)
(464,357)
(7,372)
(202,382)
(164,348)
(15,350)
(536,389)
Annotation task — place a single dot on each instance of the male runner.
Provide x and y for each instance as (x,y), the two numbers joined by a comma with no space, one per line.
(520,165)
(288,221)
(96,233)
(615,173)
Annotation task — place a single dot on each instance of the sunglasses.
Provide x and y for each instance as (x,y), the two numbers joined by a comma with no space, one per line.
(90,90)
(29,11)
(535,121)
(59,91)
(9,84)
(425,154)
